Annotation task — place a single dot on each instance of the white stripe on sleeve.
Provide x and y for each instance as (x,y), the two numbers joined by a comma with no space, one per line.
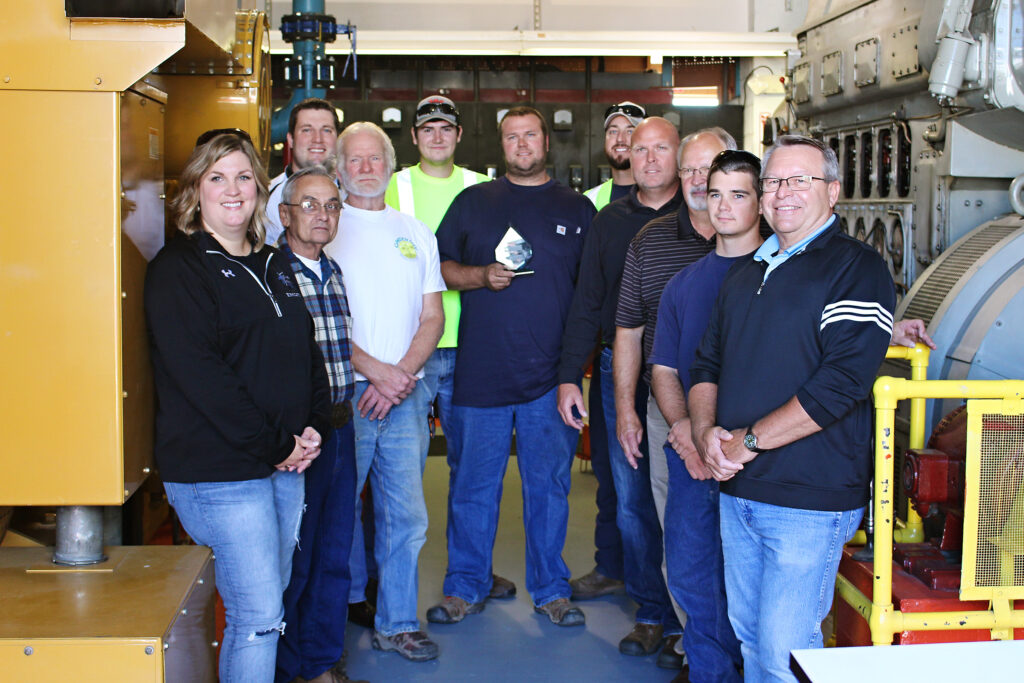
(861,311)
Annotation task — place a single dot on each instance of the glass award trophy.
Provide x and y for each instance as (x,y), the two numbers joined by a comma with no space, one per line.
(514,252)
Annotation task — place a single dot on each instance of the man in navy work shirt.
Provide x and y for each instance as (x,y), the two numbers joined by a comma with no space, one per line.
(506,369)
(693,546)
(780,409)
(592,319)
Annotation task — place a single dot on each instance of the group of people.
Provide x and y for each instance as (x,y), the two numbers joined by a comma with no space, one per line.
(302,328)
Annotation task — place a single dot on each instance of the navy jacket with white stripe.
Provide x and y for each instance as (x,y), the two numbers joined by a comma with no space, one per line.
(817,329)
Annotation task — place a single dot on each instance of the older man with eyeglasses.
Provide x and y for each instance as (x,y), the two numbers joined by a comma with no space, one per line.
(780,406)
(317,596)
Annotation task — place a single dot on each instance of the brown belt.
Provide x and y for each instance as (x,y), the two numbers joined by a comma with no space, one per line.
(341,414)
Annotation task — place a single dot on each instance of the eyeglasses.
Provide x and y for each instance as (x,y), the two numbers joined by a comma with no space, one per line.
(211,134)
(313,206)
(797,183)
(438,108)
(690,172)
(633,111)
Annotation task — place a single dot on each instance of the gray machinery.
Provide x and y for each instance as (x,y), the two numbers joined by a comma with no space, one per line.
(923,101)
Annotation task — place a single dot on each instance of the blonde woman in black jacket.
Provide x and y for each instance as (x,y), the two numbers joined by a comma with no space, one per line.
(242,392)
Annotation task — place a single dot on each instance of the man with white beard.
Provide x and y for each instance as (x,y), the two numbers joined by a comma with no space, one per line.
(393,277)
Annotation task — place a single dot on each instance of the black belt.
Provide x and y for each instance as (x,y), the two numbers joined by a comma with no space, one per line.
(341,414)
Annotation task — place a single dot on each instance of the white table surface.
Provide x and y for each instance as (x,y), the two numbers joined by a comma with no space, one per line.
(995,661)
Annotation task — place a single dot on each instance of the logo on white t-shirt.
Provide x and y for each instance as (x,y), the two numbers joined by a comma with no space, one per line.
(405,247)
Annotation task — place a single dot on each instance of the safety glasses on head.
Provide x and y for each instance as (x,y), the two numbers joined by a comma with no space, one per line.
(214,132)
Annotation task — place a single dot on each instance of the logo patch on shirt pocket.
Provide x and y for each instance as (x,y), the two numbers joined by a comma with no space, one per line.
(560,229)
(405,247)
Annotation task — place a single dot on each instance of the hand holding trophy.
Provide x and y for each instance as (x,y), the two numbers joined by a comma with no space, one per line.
(514,252)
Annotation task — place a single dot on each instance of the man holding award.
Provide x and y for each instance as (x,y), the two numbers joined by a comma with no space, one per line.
(512,247)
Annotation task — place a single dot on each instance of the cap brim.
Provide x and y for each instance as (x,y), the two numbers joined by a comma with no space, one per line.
(436,117)
(633,120)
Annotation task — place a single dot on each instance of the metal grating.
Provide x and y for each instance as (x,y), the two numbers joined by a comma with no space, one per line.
(941,281)
(999,542)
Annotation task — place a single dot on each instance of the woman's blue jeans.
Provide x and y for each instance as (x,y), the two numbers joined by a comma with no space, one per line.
(251,526)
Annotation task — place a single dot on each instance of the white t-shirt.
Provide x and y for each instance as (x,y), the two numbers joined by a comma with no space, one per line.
(274,227)
(389,260)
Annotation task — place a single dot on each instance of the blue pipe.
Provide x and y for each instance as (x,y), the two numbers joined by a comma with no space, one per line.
(309,50)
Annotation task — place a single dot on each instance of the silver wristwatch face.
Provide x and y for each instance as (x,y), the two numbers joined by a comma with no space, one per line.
(750,441)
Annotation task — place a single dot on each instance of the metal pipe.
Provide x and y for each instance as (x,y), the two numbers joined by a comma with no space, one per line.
(309,50)
(79,535)
(1017,194)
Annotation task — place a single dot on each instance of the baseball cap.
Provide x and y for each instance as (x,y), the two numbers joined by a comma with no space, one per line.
(436,107)
(634,112)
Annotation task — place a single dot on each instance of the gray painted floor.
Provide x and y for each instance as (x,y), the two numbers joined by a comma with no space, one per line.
(508,641)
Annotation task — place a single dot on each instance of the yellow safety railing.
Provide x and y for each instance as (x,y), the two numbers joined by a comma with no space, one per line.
(882,617)
(912,529)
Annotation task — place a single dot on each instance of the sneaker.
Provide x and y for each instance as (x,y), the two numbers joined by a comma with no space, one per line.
(452,610)
(501,588)
(669,658)
(594,585)
(562,613)
(361,613)
(415,646)
(642,640)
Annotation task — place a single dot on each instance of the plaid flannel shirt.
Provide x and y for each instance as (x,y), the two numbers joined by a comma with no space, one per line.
(332,321)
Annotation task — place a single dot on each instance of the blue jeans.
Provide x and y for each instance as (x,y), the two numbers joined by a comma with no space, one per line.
(394,451)
(439,379)
(251,526)
(316,601)
(545,450)
(607,540)
(693,553)
(780,574)
(636,516)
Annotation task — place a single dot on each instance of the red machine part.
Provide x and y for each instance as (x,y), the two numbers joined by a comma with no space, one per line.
(934,476)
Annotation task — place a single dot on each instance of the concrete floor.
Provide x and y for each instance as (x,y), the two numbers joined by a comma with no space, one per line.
(508,641)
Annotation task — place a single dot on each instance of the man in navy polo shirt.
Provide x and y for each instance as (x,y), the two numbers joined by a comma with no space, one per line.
(506,369)
(780,407)
(693,546)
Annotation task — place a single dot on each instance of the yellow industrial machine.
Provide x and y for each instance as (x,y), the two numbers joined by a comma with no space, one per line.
(993,520)
(100,103)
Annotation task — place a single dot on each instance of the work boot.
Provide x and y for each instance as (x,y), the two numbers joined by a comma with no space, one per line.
(452,610)
(642,640)
(415,646)
(361,613)
(594,585)
(669,658)
(501,588)
(561,613)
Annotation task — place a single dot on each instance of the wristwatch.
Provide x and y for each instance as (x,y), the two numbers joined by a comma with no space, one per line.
(750,441)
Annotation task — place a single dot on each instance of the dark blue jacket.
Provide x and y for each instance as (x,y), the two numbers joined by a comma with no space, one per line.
(817,329)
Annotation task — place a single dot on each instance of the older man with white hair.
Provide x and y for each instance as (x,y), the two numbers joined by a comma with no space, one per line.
(394,284)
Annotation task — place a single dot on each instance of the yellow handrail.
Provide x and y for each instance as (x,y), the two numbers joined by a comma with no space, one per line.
(912,530)
(883,619)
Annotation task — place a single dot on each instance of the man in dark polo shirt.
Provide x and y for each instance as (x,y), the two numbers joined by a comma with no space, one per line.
(655,143)
(660,250)
(506,369)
